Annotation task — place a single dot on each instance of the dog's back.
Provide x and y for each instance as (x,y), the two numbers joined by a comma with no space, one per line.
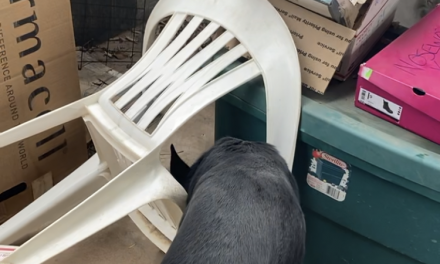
(243,207)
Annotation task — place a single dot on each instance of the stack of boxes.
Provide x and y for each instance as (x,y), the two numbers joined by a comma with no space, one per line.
(334,36)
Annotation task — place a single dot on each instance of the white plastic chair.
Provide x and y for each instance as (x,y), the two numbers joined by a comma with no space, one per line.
(126,176)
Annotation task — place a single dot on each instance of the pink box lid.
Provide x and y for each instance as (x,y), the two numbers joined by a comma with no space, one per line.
(409,67)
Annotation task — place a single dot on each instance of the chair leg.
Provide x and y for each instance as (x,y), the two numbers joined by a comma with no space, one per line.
(171,214)
(117,163)
(143,182)
(53,204)
(150,230)
(164,216)
(47,121)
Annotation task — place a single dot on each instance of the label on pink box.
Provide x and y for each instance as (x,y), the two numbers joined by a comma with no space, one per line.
(379,103)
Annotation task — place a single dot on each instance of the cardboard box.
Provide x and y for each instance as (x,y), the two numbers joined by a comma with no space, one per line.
(371,26)
(400,83)
(38,73)
(326,47)
(343,12)
(322,43)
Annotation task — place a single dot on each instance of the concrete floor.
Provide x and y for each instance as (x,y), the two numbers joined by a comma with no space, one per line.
(122,242)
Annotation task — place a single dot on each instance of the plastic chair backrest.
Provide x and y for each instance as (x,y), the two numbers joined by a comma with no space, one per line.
(174,69)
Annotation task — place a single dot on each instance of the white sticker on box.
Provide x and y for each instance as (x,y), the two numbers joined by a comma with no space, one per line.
(328,175)
(379,103)
(5,251)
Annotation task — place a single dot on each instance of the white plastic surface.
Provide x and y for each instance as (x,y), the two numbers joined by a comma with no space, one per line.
(68,193)
(127,156)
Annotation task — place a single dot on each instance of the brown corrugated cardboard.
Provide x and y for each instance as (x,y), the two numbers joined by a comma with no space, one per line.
(320,42)
(38,73)
(375,18)
(326,47)
(320,48)
(343,12)
(369,29)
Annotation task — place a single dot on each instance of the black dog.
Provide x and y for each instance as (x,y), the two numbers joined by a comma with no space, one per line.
(243,207)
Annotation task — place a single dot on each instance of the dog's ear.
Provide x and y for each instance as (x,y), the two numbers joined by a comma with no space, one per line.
(178,168)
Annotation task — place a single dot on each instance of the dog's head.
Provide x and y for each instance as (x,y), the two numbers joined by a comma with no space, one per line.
(223,149)
(185,174)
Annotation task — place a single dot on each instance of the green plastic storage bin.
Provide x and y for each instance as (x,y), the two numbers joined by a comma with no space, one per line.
(391,210)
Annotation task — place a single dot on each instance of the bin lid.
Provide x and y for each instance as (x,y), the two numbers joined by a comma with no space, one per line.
(335,120)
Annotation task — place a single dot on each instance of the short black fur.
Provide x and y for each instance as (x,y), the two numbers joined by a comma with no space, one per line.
(242,207)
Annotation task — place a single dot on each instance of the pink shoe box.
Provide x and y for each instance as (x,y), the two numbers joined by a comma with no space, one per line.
(401,83)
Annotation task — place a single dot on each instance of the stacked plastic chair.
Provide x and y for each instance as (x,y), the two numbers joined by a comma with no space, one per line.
(176,77)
